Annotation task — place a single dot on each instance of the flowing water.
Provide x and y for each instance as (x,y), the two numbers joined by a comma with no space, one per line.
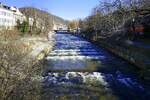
(76,68)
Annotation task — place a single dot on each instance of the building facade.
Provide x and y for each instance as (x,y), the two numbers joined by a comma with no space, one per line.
(59,26)
(9,16)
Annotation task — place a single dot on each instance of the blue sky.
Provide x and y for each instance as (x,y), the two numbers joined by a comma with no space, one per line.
(67,9)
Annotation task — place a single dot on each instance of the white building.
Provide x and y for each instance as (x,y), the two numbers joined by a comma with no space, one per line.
(59,26)
(9,16)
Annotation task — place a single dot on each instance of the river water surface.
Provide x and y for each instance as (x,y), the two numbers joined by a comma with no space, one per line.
(78,69)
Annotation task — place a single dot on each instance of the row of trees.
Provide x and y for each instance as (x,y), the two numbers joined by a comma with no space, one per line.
(25,27)
(74,24)
(111,16)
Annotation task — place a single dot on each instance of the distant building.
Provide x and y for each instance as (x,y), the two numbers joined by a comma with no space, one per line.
(59,26)
(9,16)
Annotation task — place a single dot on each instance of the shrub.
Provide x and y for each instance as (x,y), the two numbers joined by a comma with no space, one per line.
(18,73)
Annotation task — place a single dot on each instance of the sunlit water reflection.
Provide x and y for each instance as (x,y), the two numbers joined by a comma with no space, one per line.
(76,67)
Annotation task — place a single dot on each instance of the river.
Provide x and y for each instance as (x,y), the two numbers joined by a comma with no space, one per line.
(78,69)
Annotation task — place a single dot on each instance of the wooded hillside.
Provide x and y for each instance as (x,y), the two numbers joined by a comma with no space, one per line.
(43,18)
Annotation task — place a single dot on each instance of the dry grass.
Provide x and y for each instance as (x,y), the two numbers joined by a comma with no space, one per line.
(6,35)
(17,72)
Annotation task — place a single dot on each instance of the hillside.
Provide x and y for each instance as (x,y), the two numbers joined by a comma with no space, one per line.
(44,18)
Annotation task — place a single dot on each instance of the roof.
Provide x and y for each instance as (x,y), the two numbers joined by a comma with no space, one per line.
(11,8)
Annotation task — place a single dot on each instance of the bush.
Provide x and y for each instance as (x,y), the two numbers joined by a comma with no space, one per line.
(18,75)
(23,27)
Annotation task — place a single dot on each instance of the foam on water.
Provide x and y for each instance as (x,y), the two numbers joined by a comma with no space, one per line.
(72,51)
(75,54)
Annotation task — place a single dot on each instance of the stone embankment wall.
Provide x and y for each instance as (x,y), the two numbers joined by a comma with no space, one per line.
(134,57)
(40,46)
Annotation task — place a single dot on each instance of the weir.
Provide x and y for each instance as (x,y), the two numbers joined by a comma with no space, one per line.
(74,60)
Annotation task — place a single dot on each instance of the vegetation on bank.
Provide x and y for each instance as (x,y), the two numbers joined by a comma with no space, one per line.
(26,29)
(20,75)
(109,17)
(17,73)
(117,24)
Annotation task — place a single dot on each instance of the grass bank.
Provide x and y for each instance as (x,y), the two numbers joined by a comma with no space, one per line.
(21,65)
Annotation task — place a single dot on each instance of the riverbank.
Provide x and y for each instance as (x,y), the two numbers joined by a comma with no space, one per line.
(21,65)
(126,49)
(135,51)
(40,47)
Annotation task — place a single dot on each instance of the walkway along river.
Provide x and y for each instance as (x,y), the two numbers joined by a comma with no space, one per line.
(78,68)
